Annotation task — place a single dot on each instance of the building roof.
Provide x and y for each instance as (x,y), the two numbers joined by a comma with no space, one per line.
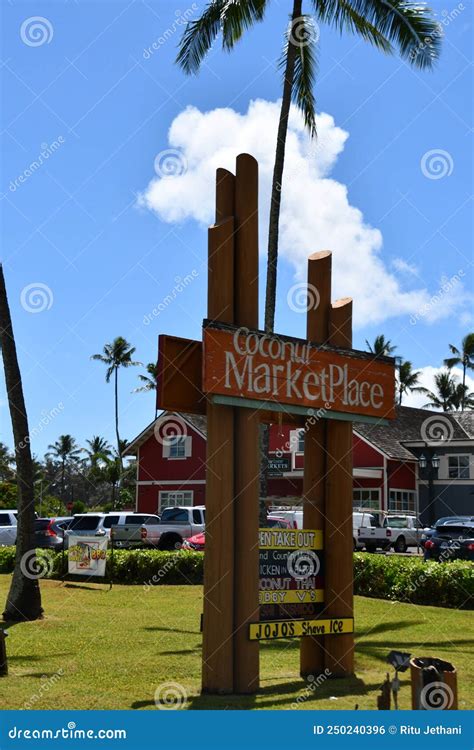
(410,426)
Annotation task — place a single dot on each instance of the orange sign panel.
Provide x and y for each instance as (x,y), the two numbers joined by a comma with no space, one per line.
(264,367)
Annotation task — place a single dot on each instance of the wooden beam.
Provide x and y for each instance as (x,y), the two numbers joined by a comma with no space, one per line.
(339,650)
(317,329)
(247,456)
(218,619)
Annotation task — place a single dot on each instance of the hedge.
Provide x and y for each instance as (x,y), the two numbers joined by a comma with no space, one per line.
(404,579)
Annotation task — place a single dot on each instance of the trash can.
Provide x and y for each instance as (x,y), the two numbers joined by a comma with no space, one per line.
(433,684)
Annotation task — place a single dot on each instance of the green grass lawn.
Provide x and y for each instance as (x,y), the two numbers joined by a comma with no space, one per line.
(114,648)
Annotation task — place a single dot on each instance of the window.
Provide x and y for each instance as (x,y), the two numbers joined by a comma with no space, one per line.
(402,500)
(175,515)
(362,498)
(198,516)
(173,499)
(458,467)
(111,521)
(85,523)
(177,447)
(5,519)
(300,448)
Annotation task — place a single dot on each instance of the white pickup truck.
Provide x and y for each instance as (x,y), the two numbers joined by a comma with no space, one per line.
(178,524)
(383,530)
(7,527)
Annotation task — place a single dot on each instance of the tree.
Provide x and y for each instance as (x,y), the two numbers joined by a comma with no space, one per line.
(462,399)
(149,381)
(116,355)
(408,26)
(463,357)
(381,347)
(99,450)
(24,596)
(442,397)
(408,379)
(67,452)
(7,460)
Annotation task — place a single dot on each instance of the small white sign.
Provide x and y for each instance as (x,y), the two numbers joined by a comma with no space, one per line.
(87,555)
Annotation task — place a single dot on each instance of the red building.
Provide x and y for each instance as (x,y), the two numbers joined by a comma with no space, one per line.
(172,470)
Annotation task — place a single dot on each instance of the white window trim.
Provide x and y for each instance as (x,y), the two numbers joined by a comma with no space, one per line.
(368,489)
(414,493)
(468,467)
(175,492)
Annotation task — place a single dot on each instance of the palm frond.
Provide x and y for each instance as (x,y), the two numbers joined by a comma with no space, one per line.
(306,64)
(199,36)
(238,16)
(410,26)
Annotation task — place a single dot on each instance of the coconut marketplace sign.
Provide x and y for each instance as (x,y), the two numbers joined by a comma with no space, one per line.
(274,583)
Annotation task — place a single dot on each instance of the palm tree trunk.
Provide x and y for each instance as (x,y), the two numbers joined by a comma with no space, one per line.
(273,228)
(273,231)
(119,449)
(464,365)
(24,597)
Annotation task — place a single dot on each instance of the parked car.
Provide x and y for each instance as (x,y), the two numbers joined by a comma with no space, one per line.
(196,542)
(295,517)
(137,530)
(451,541)
(428,532)
(178,524)
(85,524)
(274,521)
(100,524)
(381,530)
(49,532)
(7,527)
(357,519)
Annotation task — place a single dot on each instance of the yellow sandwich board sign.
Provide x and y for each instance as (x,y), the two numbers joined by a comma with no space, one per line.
(294,628)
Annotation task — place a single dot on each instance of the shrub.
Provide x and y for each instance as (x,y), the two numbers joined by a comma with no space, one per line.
(449,584)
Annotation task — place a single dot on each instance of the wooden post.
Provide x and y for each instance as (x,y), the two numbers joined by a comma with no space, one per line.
(317,329)
(218,649)
(247,463)
(338,535)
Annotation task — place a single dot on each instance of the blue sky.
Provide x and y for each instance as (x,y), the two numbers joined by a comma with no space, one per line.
(73,231)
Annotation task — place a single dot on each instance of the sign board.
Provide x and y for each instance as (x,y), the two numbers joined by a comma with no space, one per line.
(291,581)
(255,366)
(296,628)
(87,556)
(277,466)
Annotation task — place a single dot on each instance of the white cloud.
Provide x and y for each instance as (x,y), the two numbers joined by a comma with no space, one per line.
(404,267)
(427,376)
(316,213)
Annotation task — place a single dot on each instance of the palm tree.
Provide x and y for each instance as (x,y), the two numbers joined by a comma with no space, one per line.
(462,399)
(67,452)
(387,25)
(442,398)
(24,596)
(7,459)
(115,355)
(149,381)
(408,379)
(99,450)
(381,347)
(464,357)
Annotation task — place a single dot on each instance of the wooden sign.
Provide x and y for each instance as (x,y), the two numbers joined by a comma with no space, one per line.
(290,568)
(253,366)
